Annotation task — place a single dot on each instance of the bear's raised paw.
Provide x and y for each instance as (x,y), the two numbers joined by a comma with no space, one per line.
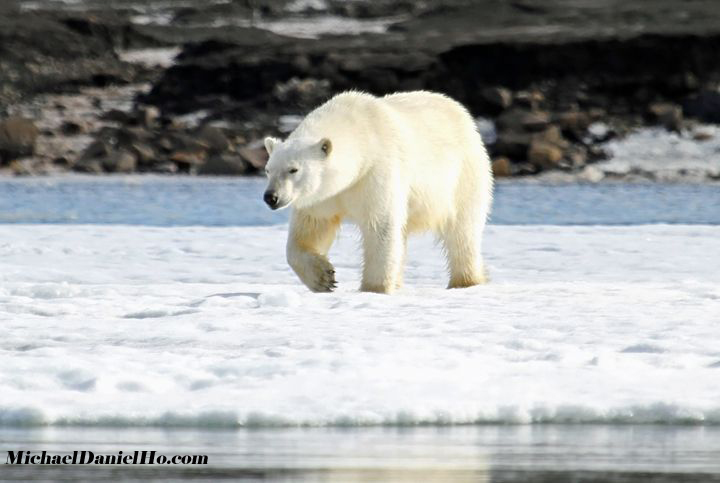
(322,276)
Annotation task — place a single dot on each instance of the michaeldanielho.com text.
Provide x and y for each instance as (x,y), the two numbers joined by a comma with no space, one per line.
(90,458)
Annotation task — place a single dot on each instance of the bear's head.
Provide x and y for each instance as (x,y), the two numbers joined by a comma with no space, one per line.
(296,171)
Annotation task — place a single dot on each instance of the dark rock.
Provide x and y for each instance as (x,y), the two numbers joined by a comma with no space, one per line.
(213,138)
(185,142)
(223,164)
(376,9)
(71,128)
(40,54)
(497,98)
(529,99)
(126,136)
(512,144)
(593,49)
(704,106)
(596,153)
(116,115)
(519,120)
(96,150)
(17,138)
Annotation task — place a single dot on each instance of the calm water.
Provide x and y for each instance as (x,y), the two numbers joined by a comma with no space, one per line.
(161,201)
(451,454)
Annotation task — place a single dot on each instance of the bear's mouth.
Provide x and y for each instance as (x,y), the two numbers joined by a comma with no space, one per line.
(280,206)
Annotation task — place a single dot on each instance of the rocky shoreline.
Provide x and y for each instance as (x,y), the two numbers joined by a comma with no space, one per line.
(98,90)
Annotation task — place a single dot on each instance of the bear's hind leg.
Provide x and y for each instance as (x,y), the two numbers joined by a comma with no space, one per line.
(462,246)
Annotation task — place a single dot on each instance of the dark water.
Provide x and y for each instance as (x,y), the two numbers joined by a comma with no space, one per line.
(160,201)
(553,453)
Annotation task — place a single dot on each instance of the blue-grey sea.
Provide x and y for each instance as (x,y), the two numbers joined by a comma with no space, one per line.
(178,201)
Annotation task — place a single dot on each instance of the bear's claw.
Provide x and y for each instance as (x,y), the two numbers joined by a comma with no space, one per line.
(327,282)
(324,278)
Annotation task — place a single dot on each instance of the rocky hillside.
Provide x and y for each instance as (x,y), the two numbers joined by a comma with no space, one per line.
(558,78)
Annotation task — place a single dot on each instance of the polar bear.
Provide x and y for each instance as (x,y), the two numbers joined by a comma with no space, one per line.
(394,165)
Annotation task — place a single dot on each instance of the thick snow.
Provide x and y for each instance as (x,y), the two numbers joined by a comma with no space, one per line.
(665,155)
(128,325)
(655,154)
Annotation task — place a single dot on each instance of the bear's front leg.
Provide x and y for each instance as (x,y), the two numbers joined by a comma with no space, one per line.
(383,247)
(308,243)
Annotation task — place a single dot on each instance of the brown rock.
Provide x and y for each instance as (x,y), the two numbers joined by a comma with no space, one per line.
(148,116)
(120,162)
(144,152)
(702,136)
(529,99)
(544,155)
(17,138)
(189,157)
(165,144)
(88,166)
(22,167)
(255,157)
(501,167)
(576,156)
(573,120)
(551,134)
(668,115)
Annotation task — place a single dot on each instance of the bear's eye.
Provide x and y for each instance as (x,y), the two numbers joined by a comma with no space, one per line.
(293,170)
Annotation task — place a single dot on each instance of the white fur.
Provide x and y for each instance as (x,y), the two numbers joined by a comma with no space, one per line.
(396,165)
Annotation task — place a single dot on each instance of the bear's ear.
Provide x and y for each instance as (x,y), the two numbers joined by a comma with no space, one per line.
(325,146)
(270,143)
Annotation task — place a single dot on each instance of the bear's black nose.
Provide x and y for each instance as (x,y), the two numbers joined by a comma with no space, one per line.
(271,199)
